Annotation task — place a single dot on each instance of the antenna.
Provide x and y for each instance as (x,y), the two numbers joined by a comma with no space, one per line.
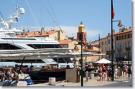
(1,17)
(8,22)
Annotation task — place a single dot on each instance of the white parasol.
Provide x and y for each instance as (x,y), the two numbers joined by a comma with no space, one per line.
(103,61)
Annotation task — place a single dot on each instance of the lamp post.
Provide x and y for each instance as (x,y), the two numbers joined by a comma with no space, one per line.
(112,53)
(81,36)
(81,60)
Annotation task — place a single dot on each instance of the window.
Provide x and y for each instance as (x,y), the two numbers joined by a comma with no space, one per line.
(120,37)
(63,60)
(128,36)
(37,46)
(18,38)
(28,61)
(6,46)
(117,38)
(64,45)
(125,36)
(109,41)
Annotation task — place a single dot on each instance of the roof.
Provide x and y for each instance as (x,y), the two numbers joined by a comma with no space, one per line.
(38,33)
(92,49)
(116,33)
(66,41)
(126,31)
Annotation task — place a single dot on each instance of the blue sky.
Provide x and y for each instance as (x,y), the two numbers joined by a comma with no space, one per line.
(95,14)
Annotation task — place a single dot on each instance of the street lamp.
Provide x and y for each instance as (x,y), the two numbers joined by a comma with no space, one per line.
(112,56)
(81,60)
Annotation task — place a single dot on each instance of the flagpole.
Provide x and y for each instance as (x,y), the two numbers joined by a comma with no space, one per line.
(112,48)
(99,44)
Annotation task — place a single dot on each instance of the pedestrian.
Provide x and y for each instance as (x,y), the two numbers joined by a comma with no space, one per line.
(116,72)
(8,77)
(89,71)
(86,75)
(103,73)
(119,72)
(100,73)
(129,71)
(126,70)
(15,78)
(109,72)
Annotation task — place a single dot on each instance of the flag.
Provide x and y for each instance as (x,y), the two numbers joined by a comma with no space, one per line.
(112,9)
(113,14)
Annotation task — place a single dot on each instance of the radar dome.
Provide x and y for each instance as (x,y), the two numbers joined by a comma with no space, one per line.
(22,11)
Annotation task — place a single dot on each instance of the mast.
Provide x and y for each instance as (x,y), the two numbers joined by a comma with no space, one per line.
(8,22)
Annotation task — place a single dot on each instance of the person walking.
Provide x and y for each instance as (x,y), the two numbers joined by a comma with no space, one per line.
(100,73)
(103,73)
(89,71)
(86,75)
(116,72)
(109,73)
(129,71)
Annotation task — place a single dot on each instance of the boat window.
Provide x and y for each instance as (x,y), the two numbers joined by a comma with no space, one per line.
(18,38)
(27,61)
(37,46)
(63,60)
(5,46)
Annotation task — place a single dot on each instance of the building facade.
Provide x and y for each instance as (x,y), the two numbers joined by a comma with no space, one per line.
(122,45)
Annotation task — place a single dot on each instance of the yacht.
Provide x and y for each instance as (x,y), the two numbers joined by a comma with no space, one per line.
(14,49)
(37,52)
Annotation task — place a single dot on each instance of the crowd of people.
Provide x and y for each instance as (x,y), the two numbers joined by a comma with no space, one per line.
(12,76)
(104,72)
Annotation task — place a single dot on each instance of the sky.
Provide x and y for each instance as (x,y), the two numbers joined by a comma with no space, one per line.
(67,14)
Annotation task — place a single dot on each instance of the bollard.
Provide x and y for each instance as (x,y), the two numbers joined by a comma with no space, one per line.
(52,80)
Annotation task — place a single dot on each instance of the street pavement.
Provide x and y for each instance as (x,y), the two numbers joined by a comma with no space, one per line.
(121,82)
